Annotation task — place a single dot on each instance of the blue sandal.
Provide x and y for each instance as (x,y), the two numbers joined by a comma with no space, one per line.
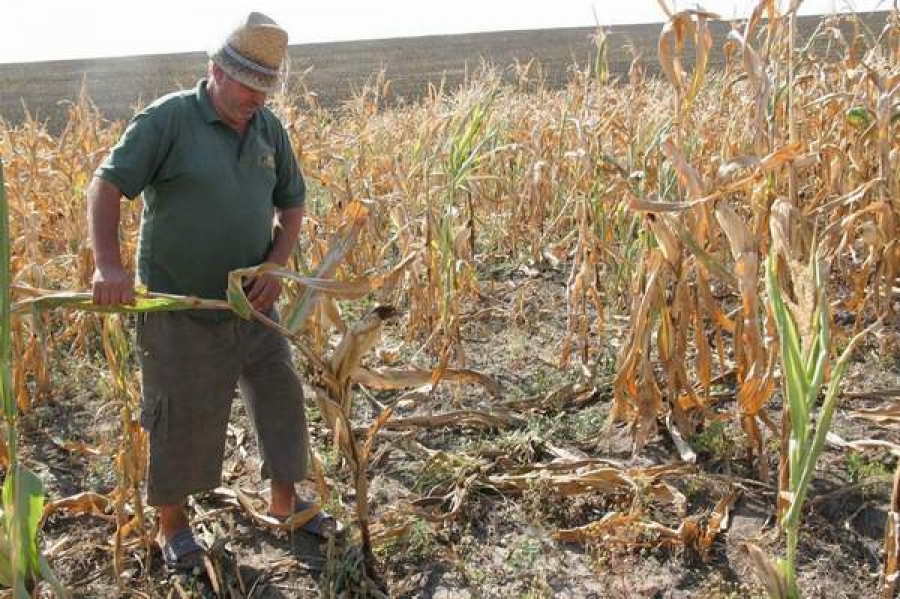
(182,552)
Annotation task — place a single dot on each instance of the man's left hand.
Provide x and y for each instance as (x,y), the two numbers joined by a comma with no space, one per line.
(262,291)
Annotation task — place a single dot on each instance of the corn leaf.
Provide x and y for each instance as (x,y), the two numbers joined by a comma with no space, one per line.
(23,501)
(144,302)
(343,241)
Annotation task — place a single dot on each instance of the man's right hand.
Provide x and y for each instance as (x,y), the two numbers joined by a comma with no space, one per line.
(112,286)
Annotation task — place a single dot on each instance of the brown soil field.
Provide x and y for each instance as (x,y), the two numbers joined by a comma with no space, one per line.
(335,72)
(496,546)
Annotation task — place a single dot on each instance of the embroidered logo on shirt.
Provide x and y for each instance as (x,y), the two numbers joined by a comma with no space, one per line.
(267,161)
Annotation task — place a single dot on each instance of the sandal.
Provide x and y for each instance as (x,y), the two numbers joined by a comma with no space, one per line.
(182,552)
(320,524)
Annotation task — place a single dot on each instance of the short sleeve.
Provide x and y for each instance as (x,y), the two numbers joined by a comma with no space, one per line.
(290,188)
(135,160)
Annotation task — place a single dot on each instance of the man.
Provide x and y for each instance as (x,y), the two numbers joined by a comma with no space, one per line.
(222,190)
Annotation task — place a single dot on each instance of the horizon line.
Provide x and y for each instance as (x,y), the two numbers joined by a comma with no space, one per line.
(848,14)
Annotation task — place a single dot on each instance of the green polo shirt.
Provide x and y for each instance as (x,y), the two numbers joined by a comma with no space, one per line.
(209,194)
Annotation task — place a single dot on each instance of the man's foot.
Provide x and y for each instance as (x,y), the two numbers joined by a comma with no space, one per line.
(181,552)
(283,498)
(172,520)
(180,549)
(285,505)
(319,523)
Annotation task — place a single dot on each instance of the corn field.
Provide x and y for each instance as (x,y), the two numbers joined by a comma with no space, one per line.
(701,247)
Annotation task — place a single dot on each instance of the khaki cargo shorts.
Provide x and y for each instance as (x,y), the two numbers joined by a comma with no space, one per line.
(192,366)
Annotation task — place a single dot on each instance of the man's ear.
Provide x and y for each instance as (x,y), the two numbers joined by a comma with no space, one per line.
(215,72)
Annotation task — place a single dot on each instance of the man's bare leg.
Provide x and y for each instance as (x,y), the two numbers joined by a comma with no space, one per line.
(284,502)
(172,519)
(282,498)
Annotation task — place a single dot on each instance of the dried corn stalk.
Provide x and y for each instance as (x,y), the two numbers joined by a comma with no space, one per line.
(891,572)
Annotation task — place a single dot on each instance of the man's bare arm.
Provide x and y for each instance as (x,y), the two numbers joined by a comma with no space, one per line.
(112,284)
(287,230)
(264,290)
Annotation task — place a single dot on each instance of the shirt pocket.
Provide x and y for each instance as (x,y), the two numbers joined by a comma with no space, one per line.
(264,164)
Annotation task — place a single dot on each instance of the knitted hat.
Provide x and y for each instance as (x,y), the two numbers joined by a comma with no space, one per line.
(254,53)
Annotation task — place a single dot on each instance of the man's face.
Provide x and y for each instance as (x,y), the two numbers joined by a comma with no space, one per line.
(234,101)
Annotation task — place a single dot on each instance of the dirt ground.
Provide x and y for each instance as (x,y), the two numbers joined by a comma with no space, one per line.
(496,545)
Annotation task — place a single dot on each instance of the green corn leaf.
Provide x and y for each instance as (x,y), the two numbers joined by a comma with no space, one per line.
(144,302)
(237,298)
(816,377)
(8,398)
(859,117)
(6,573)
(15,521)
(823,336)
(23,504)
(826,414)
(795,383)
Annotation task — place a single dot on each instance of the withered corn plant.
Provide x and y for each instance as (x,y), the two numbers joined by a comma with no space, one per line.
(333,377)
(671,301)
(800,130)
(891,570)
(131,458)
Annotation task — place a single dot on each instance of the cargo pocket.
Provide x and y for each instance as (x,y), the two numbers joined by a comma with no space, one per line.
(154,408)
